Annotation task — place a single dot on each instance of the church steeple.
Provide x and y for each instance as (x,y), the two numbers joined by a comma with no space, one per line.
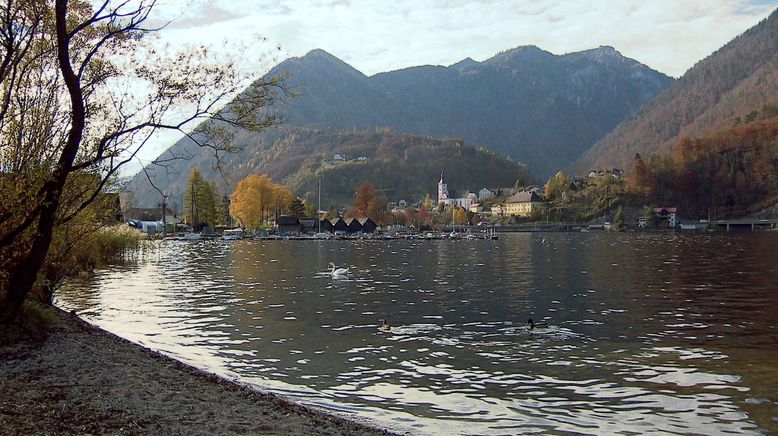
(442,190)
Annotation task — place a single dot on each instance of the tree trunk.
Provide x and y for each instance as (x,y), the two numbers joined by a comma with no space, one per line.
(23,277)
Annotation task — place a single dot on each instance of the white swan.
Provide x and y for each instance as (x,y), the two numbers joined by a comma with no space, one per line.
(338,272)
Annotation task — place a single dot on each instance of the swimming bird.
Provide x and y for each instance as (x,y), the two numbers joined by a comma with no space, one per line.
(338,272)
(384,327)
(533,325)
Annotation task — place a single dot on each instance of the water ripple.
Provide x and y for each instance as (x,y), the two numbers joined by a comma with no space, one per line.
(647,333)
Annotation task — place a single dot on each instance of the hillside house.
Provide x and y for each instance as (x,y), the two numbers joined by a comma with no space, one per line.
(503,192)
(613,172)
(485,193)
(499,209)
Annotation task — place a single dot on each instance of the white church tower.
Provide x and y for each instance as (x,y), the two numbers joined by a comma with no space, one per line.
(442,190)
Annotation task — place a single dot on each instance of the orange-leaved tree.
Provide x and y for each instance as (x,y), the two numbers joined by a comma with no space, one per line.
(256,198)
(364,196)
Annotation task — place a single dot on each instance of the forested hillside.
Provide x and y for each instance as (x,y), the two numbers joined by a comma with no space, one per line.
(729,173)
(730,86)
(401,166)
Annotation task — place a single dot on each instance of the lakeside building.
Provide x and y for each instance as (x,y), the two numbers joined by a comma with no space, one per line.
(446,199)
(293,225)
(522,203)
(667,216)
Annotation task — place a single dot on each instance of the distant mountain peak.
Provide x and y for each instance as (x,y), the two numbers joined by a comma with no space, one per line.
(464,64)
(320,53)
(318,59)
(521,54)
(605,54)
(320,56)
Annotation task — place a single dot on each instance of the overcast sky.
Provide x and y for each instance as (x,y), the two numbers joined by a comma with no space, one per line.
(383,35)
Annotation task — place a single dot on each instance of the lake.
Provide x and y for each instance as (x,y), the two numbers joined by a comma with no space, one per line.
(647,332)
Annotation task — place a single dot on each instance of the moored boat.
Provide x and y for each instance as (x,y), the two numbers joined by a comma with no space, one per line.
(232,234)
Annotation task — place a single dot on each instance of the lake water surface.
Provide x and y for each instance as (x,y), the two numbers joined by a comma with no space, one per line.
(647,332)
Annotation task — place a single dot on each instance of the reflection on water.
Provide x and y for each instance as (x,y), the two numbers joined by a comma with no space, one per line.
(647,333)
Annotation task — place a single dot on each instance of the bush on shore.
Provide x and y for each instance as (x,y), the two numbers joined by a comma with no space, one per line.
(33,322)
(79,248)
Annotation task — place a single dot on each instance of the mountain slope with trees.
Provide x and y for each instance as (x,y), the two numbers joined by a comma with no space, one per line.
(526,103)
(401,166)
(731,86)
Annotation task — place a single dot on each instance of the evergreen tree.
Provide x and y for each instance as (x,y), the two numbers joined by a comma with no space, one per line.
(297,208)
(619,219)
(223,216)
(199,202)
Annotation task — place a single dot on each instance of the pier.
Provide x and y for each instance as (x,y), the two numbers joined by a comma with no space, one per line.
(745,224)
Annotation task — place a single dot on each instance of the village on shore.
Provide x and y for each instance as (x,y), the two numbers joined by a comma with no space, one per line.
(474,215)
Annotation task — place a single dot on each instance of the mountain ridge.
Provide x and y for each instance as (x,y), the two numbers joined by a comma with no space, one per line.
(508,103)
(740,77)
(526,103)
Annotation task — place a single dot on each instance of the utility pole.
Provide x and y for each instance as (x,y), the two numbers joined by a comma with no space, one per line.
(164,215)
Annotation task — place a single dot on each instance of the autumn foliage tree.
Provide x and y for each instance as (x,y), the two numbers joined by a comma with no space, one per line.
(460,216)
(555,185)
(640,179)
(363,198)
(256,198)
(70,103)
(732,172)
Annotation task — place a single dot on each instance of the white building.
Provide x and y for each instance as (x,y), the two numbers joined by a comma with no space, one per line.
(485,193)
(443,197)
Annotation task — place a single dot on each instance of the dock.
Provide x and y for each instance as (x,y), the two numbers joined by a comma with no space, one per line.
(745,224)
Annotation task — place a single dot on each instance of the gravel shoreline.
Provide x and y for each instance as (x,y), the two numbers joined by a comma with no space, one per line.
(82,379)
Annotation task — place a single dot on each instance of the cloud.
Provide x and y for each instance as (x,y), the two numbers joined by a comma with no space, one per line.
(377,35)
(664,34)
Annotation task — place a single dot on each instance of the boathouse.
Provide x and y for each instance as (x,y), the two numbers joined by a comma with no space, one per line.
(368,225)
(308,225)
(325,225)
(354,226)
(288,224)
(338,225)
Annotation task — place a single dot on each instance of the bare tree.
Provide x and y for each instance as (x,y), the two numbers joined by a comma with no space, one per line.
(83,91)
